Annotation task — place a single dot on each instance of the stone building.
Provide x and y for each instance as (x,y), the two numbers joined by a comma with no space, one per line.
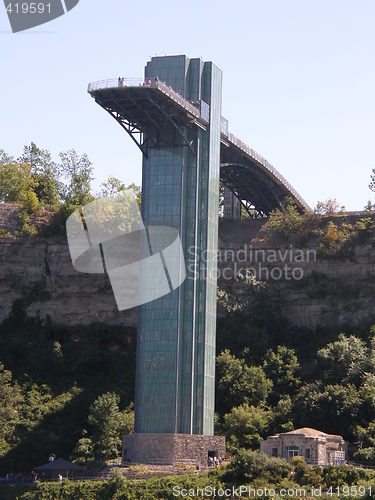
(314,446)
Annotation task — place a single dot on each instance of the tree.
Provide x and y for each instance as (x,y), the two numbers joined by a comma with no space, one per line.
(17,184)
(282,415)
(109,424)
(113,186)
(366,435)
(332,409)
(137,191)
(245,425)
(287,222)
(345,360)
(369,207)
(10,406)
(5,158)
(372,183)
(328,207)
(45,173)
(77,170)
(84,449)
(283,369)
(238,383)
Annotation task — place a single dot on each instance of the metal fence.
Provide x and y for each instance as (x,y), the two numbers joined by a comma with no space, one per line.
(141,82)
(259,158)
(114,82)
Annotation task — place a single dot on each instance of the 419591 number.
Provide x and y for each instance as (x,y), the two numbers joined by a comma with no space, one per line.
(29,8)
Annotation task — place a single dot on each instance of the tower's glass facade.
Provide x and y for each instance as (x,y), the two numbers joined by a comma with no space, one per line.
(175,378)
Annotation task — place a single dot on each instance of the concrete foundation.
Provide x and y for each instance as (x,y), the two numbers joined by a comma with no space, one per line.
(155,448)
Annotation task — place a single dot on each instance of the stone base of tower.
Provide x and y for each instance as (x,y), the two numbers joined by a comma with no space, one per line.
(165,449)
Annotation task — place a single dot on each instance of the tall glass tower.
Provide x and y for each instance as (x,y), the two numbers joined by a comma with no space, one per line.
(175,368)
(174,117)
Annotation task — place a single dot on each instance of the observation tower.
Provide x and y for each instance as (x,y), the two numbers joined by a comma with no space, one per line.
(174,116)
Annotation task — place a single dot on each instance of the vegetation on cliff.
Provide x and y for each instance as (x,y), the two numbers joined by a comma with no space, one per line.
(334,233)
(49,192)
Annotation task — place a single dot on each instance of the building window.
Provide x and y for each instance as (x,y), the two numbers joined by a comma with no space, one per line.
(274,452)
(292,451)
(336,457)
(308,453)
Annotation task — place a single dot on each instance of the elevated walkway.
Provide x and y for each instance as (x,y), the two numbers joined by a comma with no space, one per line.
(154,114)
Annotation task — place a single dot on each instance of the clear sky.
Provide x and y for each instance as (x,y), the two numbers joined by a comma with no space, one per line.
(298,85)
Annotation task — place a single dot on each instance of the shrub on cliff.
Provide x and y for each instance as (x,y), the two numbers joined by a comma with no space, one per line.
(286,223)
(17,184)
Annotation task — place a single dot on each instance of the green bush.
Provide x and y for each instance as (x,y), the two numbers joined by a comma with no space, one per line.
(27,229)
(365,454)
(117,488)
(305,475)
(249,465)
(366,224)
(286,223)
(337,476)
(30,201)
(57,226)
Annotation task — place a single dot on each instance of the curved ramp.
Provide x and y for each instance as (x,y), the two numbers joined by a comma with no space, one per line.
(253,180)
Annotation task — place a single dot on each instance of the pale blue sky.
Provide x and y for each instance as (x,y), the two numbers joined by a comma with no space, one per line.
(298,86)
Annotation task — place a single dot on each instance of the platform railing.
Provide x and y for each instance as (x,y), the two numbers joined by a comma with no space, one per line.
(114,82)
(144,82)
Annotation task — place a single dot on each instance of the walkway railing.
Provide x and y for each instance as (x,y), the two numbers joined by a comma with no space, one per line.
(259,158)
(140,82)
(114,82)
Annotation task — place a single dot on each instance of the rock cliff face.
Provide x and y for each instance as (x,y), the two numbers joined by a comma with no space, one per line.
(313,290)
(39,272)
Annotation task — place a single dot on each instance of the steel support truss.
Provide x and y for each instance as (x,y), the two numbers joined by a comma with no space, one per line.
(251,186)
(148,117)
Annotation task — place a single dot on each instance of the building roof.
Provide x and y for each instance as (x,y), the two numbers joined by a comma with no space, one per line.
(59,464)
(308,431)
